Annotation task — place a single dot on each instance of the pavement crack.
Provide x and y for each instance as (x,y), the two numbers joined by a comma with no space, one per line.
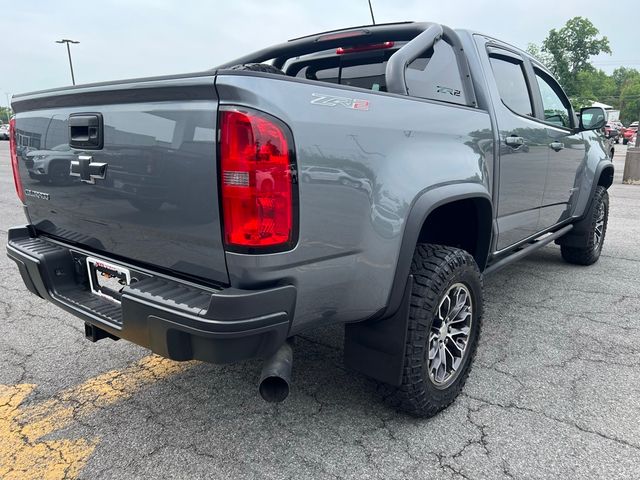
(513,406)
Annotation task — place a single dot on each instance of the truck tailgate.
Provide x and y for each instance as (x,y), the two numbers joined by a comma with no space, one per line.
(146,190)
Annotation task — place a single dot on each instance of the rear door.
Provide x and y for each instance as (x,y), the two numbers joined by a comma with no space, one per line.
(156,200)
(566,151)
(522,151)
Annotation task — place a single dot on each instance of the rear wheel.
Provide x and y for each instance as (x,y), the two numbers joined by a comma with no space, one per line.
(443,329)
(589,252)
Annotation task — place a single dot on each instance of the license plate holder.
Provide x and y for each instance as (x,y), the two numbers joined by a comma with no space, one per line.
(107,279)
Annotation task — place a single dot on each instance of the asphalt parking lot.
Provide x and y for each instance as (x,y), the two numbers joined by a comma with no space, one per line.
(554,393)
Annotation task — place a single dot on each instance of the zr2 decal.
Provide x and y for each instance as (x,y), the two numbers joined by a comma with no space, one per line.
(448,91)
(333,101)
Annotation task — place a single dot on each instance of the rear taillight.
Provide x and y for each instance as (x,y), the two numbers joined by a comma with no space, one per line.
(13,149)
(256,161)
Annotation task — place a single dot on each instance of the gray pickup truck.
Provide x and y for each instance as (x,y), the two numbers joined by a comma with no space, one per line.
(369,176)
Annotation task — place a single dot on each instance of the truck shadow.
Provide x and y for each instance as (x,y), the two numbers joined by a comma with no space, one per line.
(212,398)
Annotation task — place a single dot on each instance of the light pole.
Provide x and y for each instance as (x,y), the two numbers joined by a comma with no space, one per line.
(67,41)
(8,107)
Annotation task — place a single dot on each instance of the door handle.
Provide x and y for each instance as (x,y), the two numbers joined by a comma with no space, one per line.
(557,146)
(514,141)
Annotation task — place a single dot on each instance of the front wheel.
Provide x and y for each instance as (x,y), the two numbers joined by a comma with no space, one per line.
(443,329)
(589,252)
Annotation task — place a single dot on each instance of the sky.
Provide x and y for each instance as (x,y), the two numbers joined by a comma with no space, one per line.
(136,38)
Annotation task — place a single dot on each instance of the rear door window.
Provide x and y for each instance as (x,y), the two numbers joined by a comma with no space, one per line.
(512,84)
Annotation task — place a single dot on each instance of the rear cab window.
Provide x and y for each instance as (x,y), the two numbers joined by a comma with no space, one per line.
(365,71)
(435,75)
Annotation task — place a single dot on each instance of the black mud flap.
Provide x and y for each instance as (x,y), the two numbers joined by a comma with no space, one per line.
(578,236)
(376,348)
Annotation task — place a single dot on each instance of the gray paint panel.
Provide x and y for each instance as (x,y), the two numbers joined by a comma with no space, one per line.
(158,204)
(360,172)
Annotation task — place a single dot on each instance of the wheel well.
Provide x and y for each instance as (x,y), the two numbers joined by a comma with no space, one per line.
(464,224)
(606,177)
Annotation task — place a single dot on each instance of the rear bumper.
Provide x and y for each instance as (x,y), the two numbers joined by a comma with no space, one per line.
(173,318)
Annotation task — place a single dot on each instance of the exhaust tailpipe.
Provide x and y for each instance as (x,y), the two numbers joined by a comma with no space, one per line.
(276,374)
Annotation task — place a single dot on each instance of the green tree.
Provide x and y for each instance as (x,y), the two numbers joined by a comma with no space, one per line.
(594,85)
(5,114)
(623,75)
(543,57)
(630,101)
(570,49)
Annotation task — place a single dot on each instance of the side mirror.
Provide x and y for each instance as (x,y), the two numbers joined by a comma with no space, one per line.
(592,118)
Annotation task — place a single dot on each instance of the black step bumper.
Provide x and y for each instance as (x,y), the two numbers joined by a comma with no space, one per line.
(173,318)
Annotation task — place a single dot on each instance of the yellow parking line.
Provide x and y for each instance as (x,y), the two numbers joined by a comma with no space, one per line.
(24,456)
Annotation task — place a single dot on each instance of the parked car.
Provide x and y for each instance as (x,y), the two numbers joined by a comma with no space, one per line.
(620,127)
(609,145)
(628,132)
(323,174)
(344,176)
(473,159)
(51,165)
(4,131)
(611,133)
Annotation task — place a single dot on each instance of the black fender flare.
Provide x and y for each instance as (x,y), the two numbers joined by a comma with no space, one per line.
(376,347)
(602,166)
(428,201)
(581,227)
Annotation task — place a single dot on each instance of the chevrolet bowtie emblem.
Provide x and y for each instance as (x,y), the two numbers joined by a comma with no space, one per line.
(88,170)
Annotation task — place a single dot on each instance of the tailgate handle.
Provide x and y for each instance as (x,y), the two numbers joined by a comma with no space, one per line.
(86,131)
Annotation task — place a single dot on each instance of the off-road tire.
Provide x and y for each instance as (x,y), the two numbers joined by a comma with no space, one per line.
(435,270)
(589,252)
(258,67)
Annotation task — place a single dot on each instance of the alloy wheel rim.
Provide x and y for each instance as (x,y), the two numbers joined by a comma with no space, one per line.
(599,229)
(449,335)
